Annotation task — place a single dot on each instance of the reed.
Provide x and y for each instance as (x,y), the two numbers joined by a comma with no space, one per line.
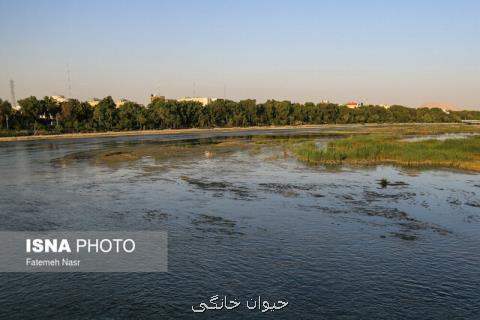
(378,149)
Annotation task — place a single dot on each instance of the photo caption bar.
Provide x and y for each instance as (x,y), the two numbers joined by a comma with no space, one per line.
(84,251)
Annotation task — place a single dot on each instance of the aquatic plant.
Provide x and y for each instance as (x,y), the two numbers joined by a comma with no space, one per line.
(383,183)
(390,149)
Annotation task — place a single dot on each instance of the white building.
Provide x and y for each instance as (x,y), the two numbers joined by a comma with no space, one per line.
(94,102)
(154,97)
(353,104)
(59,99)
(120,103)
(203,100)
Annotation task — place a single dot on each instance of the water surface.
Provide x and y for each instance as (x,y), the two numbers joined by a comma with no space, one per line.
(244,219)
(441,137)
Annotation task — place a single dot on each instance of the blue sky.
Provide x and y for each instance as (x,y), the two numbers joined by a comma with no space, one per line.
(398,51)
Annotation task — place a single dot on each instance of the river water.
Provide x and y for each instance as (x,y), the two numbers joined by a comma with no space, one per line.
(244,219)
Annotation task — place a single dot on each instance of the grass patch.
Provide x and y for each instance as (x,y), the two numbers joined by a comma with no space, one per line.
(381,149)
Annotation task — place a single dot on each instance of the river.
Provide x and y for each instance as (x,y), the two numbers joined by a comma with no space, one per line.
(244,218)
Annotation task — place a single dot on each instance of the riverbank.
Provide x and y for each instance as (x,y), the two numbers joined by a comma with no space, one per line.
(110,134)
(407,128)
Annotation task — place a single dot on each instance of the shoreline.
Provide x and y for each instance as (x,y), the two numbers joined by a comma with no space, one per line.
(160,132)
(110,134)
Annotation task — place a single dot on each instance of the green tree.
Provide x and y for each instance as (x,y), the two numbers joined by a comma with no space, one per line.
(105,115)
(6,112)
(402,114)
(130,116)
(33,113)
(74,116)
(248,109)
(51,109)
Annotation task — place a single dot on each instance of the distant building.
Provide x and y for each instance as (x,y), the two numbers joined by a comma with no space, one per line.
(353,104)
(120,103)
(154,97)
(203,101)
(446,107)
(93,102)
(59,99)
(386,106)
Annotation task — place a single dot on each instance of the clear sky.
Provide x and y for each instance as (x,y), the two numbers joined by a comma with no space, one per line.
(397,51)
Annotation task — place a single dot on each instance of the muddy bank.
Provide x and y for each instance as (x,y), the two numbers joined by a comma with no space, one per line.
(401,128)
(111,134)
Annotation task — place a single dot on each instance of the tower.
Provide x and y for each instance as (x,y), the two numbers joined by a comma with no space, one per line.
(12,94)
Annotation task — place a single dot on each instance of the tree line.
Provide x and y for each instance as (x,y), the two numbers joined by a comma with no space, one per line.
(47,115)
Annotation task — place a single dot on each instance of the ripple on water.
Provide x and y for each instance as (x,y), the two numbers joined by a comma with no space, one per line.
(331,242)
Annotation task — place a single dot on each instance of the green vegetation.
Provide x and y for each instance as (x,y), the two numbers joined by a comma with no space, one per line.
(49,116)
(383,183)
(381,149)
(5,114)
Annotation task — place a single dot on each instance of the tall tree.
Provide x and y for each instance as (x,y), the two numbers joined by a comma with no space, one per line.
(33,112)
(105,114)
(130,116)
(5,114)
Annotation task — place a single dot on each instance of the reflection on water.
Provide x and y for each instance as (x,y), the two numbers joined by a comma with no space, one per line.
(441,137)
(245,219)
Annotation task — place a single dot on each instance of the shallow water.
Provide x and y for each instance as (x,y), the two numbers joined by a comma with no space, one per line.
(244,219)
(441,137)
